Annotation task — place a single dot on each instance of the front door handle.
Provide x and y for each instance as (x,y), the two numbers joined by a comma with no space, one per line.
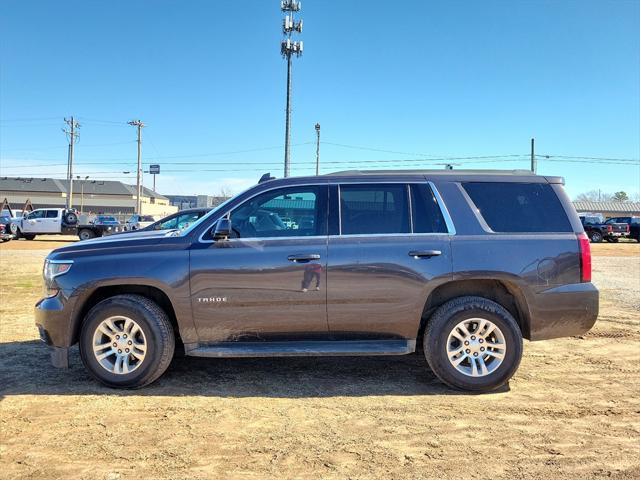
(303,257)
(424,253)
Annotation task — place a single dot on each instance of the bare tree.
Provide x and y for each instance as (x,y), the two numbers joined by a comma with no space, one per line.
(593,196)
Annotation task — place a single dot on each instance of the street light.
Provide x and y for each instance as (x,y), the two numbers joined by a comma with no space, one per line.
(82,193)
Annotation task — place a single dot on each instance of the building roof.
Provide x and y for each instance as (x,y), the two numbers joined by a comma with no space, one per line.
(52,185)
(617,207)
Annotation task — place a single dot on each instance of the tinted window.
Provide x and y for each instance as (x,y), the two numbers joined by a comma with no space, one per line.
(285,212)
(52,214)
(519,207)
(180,222)
(427,217)
(371,209)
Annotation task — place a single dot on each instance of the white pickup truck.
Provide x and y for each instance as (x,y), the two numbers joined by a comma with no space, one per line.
(57,221)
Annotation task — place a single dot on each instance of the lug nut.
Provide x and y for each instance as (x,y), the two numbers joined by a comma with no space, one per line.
(125,335)
(481,340)
(118,337)
(126,350)
(466,342)
(115,344)
(475,354)
(468,351)
(130,342)
(482,349)
(473,337)
(119,351)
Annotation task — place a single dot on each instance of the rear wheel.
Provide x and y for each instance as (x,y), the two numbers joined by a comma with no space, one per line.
(473,343)
(28,236)
(86,234)
(127,341)
(595,237)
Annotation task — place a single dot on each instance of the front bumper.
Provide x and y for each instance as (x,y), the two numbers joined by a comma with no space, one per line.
(6,236)
(53,316)
(564,311)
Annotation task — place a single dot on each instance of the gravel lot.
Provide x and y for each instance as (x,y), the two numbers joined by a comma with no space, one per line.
(571,411)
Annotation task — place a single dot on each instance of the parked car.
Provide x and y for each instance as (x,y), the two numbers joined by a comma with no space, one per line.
(138,222)
(179,220)
(56,221)
(632,222)
(597,230)
(105,220)
(463,263)
(5,234)
(5,228)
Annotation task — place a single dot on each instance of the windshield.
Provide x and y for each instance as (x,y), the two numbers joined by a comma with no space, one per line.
(212,212)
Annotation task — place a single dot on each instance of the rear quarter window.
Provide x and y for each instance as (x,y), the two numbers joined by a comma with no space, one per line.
(518,207)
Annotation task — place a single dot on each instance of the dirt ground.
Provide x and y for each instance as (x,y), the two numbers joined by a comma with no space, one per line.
(571,411)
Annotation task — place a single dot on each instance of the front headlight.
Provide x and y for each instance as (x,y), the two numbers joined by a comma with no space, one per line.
(55,268)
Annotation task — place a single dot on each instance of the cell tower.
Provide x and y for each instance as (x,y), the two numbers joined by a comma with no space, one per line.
(288,48)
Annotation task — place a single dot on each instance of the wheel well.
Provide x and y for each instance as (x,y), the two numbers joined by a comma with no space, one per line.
(504,293)
(152,293)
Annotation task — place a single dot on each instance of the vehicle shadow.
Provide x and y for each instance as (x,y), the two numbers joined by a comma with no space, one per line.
(26,370)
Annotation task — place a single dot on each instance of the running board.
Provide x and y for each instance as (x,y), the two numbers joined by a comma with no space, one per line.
(304,349)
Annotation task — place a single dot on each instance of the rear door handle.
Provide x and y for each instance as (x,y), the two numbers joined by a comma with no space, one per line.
(424,253)
(303,257)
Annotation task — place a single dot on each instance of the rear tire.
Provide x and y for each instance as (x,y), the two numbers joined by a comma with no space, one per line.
(479,366)
(86,234)
(154,333)
(28,236)
(595,237)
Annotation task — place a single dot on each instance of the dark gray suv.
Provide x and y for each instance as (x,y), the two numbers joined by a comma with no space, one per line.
(460,264)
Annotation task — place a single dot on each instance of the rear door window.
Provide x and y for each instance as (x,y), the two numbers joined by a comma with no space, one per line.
(519,207)
(52,213)
(374,209)
(427,216)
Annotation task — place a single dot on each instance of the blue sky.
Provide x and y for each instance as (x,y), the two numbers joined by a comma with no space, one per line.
(407,86)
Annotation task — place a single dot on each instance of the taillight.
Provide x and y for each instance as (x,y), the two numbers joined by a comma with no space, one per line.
(585,257)
(628,228)
(609,228)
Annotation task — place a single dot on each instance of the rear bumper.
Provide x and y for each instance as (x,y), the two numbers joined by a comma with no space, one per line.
(564,311)
(53,321)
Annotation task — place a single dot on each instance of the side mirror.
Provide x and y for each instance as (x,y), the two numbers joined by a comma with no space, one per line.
(222,230)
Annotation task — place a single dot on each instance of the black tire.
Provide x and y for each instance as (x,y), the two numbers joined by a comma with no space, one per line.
(595,237)
(86,234)
(444,320)
(156,327)
(70,218)
(613,239)
(28,236)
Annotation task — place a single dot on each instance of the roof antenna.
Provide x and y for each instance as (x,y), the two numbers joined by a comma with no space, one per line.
(266,177)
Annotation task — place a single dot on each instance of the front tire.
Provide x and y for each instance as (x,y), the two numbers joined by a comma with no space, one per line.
(595,237)
(472,343)
(126,341)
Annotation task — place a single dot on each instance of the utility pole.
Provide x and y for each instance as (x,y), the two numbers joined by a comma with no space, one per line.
(72,135)
(317,149)
(140,125)
(287,49)
(534,166)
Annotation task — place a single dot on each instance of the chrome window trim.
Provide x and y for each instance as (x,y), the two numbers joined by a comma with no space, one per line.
(206,230)
(451,230)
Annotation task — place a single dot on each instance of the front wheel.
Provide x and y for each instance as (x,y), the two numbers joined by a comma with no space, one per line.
(472,343)
(126,341)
